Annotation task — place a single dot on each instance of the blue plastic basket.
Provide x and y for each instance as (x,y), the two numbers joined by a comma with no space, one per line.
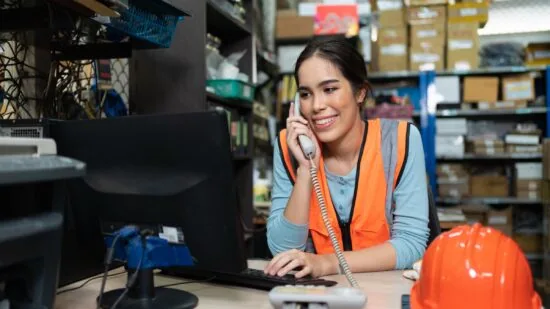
(142,24)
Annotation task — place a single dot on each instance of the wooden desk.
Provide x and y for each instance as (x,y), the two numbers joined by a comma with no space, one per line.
(383,289)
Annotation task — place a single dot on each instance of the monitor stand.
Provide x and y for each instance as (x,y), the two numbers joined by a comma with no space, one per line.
(144,295)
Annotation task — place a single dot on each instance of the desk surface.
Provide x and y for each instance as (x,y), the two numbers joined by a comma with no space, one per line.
(383,289)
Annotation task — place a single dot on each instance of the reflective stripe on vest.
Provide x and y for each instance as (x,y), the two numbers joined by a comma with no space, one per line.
(383,154)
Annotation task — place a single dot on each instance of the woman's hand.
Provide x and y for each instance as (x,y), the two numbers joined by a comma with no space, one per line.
(308,263)
(298,125)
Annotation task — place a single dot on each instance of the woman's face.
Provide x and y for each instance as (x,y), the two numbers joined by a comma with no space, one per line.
(327,99)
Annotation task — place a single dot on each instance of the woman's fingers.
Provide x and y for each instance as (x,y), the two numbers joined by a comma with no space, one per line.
(299,119)
(294,263)
(279,262)
(304,272)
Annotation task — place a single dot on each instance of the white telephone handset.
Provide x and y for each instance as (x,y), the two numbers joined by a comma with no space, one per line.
(305,142)
(309,151)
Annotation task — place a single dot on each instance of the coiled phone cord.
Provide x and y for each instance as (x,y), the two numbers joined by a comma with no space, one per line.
(341,260)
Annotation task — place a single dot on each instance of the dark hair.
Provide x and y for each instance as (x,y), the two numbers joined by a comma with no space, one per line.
(341,53)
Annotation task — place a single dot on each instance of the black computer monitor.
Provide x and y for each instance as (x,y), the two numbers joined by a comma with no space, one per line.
(29,260)
(157,170)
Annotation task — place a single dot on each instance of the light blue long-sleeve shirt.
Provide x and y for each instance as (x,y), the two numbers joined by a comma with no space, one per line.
(409,231)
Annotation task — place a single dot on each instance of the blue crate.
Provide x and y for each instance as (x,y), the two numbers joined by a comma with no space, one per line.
(146,25)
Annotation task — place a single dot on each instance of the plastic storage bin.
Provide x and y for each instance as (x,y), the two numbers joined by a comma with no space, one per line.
(232,89)
(155,27)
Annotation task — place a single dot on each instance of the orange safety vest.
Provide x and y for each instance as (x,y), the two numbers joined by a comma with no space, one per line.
(382,159)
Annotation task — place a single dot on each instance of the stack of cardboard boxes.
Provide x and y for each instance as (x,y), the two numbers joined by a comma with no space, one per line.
(429,34)
(392,47)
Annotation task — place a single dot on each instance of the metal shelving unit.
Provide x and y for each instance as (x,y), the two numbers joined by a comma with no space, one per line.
(489,201)
(428,113)
(497,156)
(483,113)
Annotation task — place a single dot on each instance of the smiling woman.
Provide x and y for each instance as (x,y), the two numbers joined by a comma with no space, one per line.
(380,218)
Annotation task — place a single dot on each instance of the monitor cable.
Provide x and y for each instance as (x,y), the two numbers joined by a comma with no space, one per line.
(108,260)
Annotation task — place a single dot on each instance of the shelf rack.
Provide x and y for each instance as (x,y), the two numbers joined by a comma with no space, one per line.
(428,113)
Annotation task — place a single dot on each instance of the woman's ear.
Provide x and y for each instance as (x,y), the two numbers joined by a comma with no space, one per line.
(361,95)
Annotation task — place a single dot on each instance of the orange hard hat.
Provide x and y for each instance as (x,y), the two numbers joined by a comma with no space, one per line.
(474,267)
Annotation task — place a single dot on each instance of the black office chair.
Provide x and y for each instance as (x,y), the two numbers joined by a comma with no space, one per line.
(433,223)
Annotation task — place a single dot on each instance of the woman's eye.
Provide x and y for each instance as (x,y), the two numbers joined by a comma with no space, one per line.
(330,90)
(304,95)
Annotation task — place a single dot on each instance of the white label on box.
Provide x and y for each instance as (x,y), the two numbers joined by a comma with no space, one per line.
(462,66)
(541,54)
(494,219)
(489,143)
(505,104)
(426,14)
(533,195)
(430,33)
(468,12)
(520,90)
(461,44)
(454,193)
(533,185)
(394,50)
(424,57)
(490,150)
(389,5)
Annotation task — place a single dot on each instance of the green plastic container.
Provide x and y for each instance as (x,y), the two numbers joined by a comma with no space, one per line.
(232,89)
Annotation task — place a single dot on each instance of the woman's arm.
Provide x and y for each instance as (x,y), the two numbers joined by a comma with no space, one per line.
(410,230)
(287,225)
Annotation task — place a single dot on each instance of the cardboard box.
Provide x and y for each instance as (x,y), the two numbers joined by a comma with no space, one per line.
(528,184)
(468,12)
(290,25)
(462,46)
(480,89)
(391,49)
(451,171)
(433,34)
(524,148)
(453,187)
(488,150)
(518,88)
(392,57)
(529,243)
(538,53)
(530,194)
(451,126)
(449,146)
(385,5)
(488,143)
(427,58)
(489,186)
(529,171)
(392,35)
(501,220)
(424,2)
(392,18)
(501,105)
(427,15)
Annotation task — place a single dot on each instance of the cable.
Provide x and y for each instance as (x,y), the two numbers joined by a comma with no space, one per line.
(134,276)
(186,282)
(88,281)
(108,260)
(341,260)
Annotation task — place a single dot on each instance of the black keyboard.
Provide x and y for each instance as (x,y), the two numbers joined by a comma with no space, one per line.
(253,278)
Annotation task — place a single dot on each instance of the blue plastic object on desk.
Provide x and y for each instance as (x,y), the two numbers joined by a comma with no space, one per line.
(159,253)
